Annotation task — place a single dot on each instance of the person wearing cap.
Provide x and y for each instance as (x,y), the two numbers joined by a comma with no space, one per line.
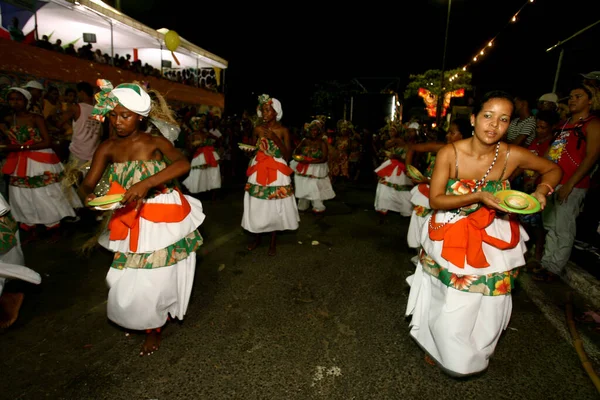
(576,150)
(35,193)
(37,91)
(548,102)
(269,201)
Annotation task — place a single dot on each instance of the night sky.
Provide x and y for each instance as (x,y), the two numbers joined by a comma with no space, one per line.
(285,49)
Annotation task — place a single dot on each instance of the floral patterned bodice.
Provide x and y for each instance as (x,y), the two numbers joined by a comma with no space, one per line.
(24,134)
(129,173)
(458,187)
(309,151)
(399,152)
(268,147)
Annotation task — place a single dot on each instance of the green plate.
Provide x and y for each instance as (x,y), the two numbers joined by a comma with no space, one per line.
(245,146)
(518,202)
(104,200)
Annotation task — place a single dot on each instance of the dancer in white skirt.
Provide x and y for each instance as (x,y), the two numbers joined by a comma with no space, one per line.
(460,292)
(154,234)
(459,128)
(269,202)
(393,189)
(311,171)
(205,174)
(12,266)
(35,193)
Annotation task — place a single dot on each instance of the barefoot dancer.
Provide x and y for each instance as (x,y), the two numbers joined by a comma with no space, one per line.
(205,174)
(460,293)
(11,266)
(311,174)
(393,189)
(154,235)
(35,171)
(269,202)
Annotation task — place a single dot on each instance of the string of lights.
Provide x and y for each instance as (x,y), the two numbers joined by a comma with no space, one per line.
(491,42)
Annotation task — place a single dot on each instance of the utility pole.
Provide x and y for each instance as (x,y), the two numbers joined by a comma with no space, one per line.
(440,99)
(118,4)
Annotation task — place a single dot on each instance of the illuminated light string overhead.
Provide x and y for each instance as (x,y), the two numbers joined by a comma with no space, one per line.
(482,52)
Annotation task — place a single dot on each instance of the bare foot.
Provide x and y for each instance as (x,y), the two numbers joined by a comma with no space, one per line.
(10,304)
(429,360)
(273,245)
(151,344)
(255,243)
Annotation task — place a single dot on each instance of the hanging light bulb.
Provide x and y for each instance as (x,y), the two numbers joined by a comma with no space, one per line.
(514,19)
(464,68)
(490,43)
(474,58)
(481,52)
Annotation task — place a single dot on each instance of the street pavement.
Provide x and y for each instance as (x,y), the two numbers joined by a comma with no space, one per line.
(324,319)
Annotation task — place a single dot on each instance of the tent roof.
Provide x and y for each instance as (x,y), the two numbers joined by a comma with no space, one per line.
(69,19)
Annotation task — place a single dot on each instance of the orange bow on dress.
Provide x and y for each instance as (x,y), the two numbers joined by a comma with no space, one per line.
(209,155)
(126,220)
(424,189)
(266,168)
(302,168)
(389,170)
(17,160)
(464,238)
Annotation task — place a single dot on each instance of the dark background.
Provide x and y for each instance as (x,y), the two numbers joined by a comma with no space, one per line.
(284,49)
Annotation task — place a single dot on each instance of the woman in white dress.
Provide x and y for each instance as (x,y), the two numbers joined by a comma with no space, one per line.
(311,170)
(269,201)
(206,173)
(393,188)
(459,297)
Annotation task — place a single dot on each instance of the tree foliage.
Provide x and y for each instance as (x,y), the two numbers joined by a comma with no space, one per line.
(430,80)
(328,93)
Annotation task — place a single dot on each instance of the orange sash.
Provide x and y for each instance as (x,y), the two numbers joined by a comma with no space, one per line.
(464,238)
(209,155)
(302,168)
(424,189)
(266,168)
(126,220)
(19,158)
(387,171)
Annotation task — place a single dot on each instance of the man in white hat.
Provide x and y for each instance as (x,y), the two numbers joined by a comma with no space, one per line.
(37,90)
(548,102)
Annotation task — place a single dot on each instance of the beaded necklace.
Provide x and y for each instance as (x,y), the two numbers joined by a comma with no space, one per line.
(478,183)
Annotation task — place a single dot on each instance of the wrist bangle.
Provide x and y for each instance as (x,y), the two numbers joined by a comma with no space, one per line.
(548,186)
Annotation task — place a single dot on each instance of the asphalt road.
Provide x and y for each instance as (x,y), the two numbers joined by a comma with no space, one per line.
(318,321)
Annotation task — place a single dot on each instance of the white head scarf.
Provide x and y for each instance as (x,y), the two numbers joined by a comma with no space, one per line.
(24,92)
(276,104)
(414,125)
(134,98)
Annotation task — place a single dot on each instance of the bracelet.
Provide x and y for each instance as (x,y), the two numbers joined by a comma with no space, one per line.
(548,186)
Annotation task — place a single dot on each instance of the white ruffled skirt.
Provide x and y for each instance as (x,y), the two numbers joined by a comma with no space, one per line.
(141,299)
(261,215)
(204,179)
(309,188)
(460,329)
(45,205)
(417,223)
(389,199)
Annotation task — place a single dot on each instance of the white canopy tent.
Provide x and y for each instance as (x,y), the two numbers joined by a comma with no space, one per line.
(115,33)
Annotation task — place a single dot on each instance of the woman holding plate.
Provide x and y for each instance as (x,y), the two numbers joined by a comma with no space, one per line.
(460,292)
(311,171)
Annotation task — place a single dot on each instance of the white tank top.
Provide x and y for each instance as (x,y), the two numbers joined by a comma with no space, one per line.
(86,134)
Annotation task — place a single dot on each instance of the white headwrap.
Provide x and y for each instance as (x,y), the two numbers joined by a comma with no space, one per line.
(276,104)
(133,99)
(24,92)
(414,125)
